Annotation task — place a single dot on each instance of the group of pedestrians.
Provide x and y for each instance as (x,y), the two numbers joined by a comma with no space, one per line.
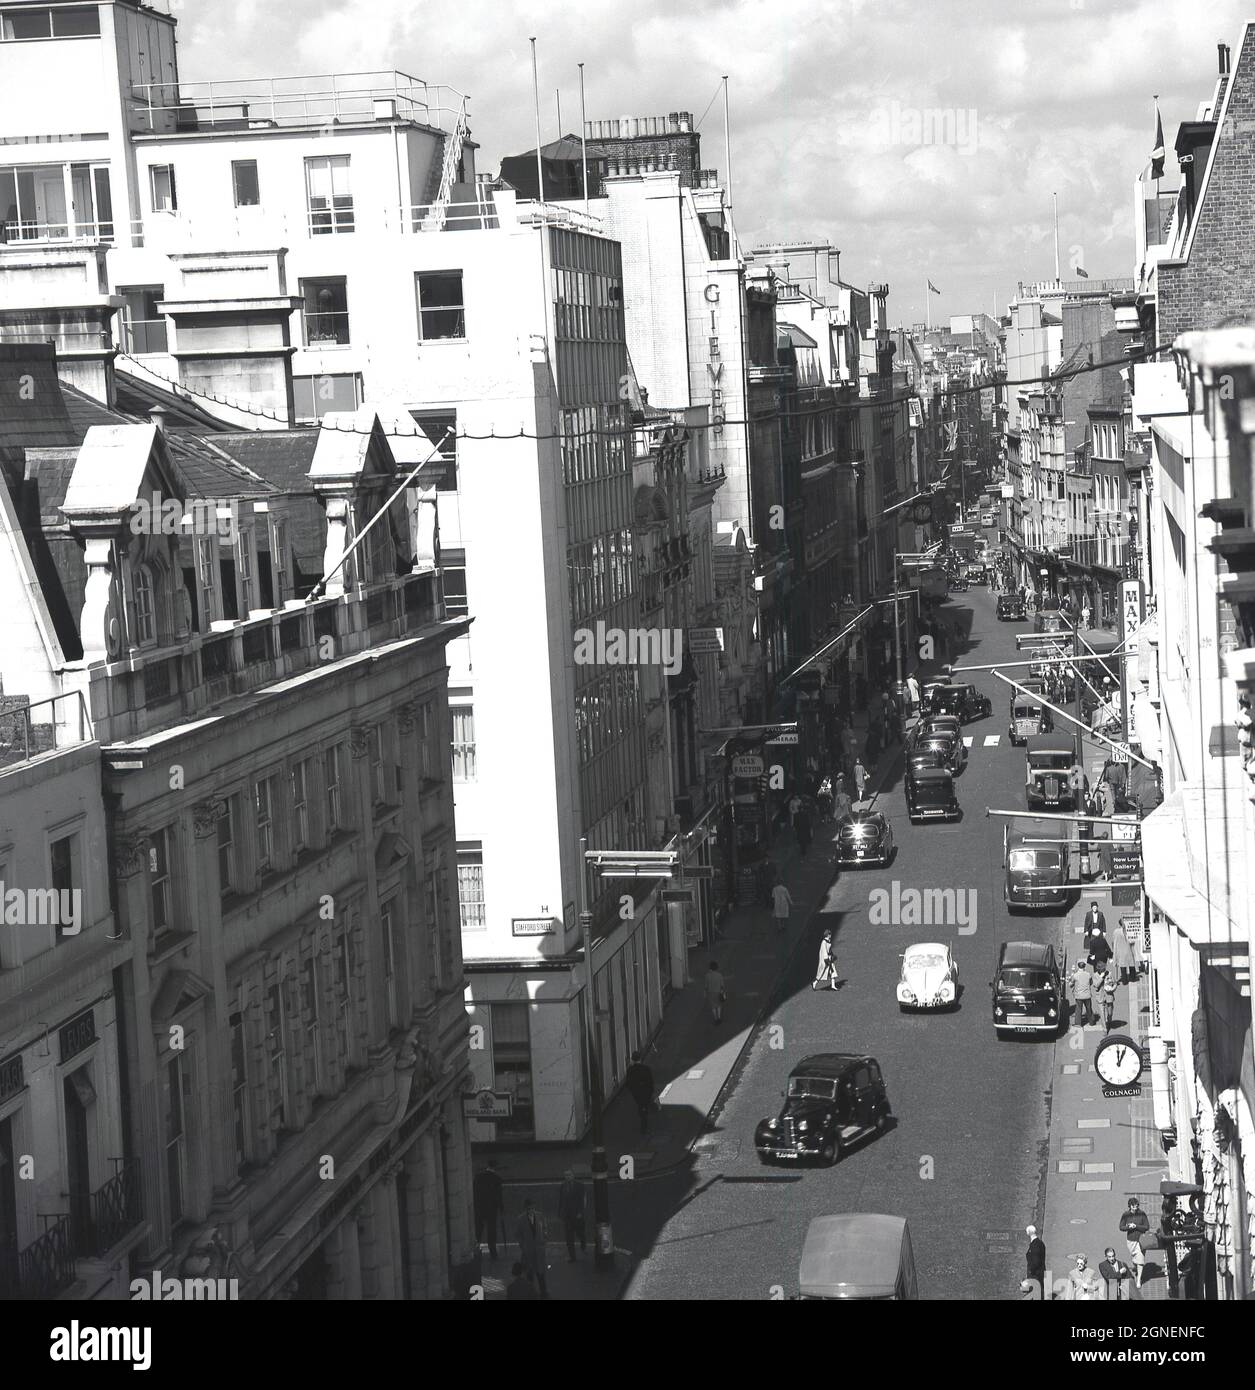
(531,1235)
(1114,1277)
(1099,973)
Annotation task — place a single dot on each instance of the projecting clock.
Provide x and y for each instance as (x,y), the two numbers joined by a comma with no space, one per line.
(1119,1061)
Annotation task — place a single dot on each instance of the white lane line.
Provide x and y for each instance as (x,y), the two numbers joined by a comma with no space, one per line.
(992,740)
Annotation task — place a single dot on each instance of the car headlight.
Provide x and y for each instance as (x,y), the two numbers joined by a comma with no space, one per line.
(803,1126)
(946,992)
(1050,1013)
(908,996)
(999,1012)
(773,1124)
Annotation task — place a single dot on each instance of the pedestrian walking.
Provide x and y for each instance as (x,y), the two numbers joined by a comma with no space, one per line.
(1099,949)
(572,1204)
(530,1234)
(860,779)
(1114,1274)
(1123,961)
(1035,1260)
(1083,1285)
(872,747)
(912,691)
(1134,1224)
(1107,997)
(487,1192)
(781,903)
(639,1081)
(802,829)
(841,803)
(1082,982)
(795,805)
(826,969)
(716,991)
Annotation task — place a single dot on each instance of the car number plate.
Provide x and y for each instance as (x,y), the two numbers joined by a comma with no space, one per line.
(861,854)
(1029,1021)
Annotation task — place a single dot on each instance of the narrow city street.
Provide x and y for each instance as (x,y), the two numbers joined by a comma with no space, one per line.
(965,1161)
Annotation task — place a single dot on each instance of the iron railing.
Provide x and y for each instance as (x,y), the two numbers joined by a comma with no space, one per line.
(116,1208)
(41,1271)
(26,730)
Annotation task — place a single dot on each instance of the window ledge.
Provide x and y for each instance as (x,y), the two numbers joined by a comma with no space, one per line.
(432,342)
(169,944)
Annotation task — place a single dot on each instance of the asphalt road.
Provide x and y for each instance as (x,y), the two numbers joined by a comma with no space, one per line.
(965,1162)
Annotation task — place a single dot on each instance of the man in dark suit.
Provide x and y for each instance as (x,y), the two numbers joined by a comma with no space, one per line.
(1094,919)
(487,1193)
(530,1234)
(1035,1260)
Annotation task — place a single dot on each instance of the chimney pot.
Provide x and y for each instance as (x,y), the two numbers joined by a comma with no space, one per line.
(158,416)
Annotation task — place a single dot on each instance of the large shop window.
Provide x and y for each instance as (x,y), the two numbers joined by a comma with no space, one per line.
(512,1067)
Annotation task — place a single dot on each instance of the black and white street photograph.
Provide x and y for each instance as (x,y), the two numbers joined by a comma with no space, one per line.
(626,670)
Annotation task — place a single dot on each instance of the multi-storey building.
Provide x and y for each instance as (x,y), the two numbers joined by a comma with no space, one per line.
(262,669)
(1198,630)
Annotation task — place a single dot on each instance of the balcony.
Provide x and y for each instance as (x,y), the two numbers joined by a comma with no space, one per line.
(116,1209)
(326,99)
(27,730)
(149,688)
(41,1271)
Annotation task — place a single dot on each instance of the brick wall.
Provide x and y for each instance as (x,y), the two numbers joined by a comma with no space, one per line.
(1219,279)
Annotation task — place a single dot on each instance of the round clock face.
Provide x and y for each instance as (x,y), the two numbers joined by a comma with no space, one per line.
(1118,1060)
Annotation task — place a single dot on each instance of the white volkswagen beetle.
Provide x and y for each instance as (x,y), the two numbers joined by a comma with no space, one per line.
(930,978)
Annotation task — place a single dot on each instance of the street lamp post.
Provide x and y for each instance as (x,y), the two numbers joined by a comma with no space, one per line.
(603,1243)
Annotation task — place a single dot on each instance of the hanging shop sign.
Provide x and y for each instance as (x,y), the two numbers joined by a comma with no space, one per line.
(488,1105)
(748,765)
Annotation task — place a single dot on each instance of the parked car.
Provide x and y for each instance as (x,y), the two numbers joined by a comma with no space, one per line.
(1028,718)
(930,794)
(1052,779)
(1027,989)
(865,838)
(987,518)
(975,573)
(950,746)
(833,1100)
(1050,620)
(930,978)
(1011,608)
(938,723)
(1036,874)
(959,584)
(857,1256)
(945,697)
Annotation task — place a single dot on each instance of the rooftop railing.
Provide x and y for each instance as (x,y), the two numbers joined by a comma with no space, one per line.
(325,99)
(27,730)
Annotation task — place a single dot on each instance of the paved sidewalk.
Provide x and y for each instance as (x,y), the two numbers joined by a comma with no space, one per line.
(1102,1152)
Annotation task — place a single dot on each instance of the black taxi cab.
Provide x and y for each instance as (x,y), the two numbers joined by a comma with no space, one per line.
(1027,989)
(832,1101)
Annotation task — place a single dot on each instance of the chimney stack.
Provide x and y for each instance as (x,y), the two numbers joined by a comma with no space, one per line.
(158,416)
(1223,54)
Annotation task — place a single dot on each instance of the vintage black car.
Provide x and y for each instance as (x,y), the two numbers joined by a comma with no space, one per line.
(966,701)
(950,747)
(1011,608)
(833,1100)
(937,724)
(959,584)
(1027,989)
(930,794)
(865,837)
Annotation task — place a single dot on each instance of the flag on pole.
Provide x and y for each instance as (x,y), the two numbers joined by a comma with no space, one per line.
(933,287)
(1084,274)
(1157,154)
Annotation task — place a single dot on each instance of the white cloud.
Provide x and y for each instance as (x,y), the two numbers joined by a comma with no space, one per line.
(1061,90)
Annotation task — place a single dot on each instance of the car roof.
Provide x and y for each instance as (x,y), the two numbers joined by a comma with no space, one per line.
(1051,743)
(931,774)
(853,1255)
(832,1064)
(920,947)
(1024,953)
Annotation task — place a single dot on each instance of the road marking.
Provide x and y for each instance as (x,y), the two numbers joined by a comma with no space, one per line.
(1100,1168)
(1093,1124)
(695,1075)
(992,740)
(1068,1165)
(1103,1186)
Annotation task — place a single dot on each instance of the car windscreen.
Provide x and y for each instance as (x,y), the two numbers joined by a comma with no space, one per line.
(1027,709)
(1028,859)
(925,960)
(812,1088)
(1023,977)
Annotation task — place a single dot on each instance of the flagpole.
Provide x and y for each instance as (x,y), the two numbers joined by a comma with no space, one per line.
(584,139)
(727,157)
(1158,217)
(557,96)
(928,305)
(1055,199)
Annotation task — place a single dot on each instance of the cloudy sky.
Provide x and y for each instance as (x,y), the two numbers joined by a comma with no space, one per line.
(922,139)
